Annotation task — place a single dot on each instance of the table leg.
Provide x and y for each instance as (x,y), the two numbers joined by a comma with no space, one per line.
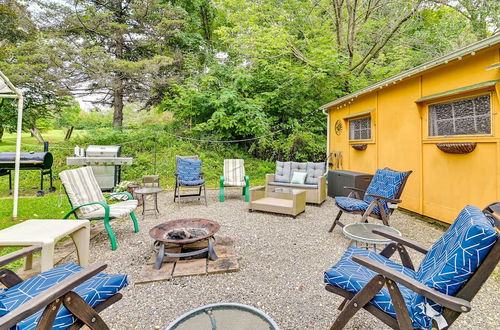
(156,205)
(28,262)
(81,239)
(47,258)
(143,205)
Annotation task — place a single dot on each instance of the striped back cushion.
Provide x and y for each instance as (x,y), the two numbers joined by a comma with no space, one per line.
(82,188)
(234,170)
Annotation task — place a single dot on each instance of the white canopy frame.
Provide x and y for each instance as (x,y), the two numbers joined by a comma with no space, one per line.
(8,90)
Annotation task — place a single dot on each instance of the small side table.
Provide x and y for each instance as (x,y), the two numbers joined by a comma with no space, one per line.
(46,233)
(224,316)
(149,191)
(362,233)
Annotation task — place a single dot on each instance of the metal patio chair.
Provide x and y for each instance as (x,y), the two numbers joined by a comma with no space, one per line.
(234,176)
(449,276)
(380,200)
(188,174)
(65,297)
(88,202)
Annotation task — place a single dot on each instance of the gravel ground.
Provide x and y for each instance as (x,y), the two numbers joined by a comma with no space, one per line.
(281,267)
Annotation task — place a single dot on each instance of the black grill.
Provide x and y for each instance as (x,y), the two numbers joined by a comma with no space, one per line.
(30,161)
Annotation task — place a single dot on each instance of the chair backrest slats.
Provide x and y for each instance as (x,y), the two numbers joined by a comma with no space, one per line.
(234,170)
(81,187)
(387,183)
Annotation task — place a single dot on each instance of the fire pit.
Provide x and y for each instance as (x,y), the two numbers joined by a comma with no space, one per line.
(181,232)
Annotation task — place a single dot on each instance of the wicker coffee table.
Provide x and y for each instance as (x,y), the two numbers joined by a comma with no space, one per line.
(277,200)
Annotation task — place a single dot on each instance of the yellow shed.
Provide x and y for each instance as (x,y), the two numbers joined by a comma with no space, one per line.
(439,119)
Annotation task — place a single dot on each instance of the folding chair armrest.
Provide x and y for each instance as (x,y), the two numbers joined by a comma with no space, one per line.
(106,209)
(129,195)
(451,302)
(396,201)
(402,240)
(354,189)
(202,175)
(45,298)
(8,258)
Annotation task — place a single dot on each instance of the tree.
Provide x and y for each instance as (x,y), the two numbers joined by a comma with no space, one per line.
(30,64)
(118,50)
(483,15)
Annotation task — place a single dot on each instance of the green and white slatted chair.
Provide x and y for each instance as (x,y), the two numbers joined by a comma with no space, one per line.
(88,202)
(234,176)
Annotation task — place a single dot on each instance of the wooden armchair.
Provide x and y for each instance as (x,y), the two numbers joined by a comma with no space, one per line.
(450,275)
(380,199)
(36,302)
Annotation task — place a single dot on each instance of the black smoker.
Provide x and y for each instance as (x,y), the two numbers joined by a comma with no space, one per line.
(30,161)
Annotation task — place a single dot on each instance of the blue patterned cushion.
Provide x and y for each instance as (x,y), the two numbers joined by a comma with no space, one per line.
(93,291)
(188,169)
(351,276)
(385,183)
(454,258)
(192,182)
(353,204)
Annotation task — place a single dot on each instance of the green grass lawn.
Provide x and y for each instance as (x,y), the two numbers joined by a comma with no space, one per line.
(9,140)
(47,207)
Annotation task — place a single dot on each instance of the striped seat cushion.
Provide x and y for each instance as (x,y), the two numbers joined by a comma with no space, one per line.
(82,188)
(118,210)
(234,173)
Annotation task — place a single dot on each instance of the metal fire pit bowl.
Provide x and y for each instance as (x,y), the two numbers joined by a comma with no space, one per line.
(160,234)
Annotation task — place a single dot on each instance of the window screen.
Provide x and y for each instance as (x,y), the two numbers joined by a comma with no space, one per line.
(471,116)
(360,129)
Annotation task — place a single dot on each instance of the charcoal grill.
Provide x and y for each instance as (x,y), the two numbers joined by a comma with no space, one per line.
(30,161)
(168,234)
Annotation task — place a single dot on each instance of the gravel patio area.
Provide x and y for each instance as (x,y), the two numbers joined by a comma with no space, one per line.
(281,267)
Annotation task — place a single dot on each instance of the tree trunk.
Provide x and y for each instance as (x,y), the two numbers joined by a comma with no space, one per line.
(36,133)
(118,107)
(1,132)
(69,132)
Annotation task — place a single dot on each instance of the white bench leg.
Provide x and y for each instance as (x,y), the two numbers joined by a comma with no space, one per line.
(28,262)
(47,258)
(81,239)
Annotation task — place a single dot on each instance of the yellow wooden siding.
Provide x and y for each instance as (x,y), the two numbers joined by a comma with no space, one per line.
(441,184)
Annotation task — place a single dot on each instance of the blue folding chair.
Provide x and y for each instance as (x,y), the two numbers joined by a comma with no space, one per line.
(450,275)
(380,199)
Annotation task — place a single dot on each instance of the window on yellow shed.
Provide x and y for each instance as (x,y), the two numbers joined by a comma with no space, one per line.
(360,129)
(469,116)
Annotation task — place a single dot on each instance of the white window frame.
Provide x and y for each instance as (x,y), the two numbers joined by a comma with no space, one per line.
(368,129)
(433,121)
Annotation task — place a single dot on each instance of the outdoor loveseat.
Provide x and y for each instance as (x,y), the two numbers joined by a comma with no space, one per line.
(314,184)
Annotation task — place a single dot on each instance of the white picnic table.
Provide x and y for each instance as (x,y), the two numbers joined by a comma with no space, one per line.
(46,233)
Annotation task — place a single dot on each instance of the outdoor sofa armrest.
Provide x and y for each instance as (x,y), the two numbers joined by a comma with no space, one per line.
(451,302)
(129,195)
(8,258)
(106,209)
(396,201)
(270,177)
(402,240)
(47,297)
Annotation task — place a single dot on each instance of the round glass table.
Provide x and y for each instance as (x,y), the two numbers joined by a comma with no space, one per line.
(362,233)
(149,191)
(224,316)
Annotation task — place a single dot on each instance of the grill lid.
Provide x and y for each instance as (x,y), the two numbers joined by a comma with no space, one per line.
(103,151)
(28,159)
